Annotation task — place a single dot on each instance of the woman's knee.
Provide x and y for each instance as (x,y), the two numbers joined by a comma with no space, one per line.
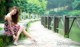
(22,27)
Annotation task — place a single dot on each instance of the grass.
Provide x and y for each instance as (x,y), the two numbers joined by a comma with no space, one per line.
(74,33)
(1,28)
(61,29)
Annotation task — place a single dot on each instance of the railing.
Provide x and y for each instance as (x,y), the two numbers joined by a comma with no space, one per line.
(66,21)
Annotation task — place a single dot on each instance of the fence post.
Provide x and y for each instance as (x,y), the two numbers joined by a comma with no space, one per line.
(42,20)
(45,21)
(56,23)
(66,27)
(49,22)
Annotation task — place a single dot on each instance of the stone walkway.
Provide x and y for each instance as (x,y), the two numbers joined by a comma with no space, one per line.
(45,38)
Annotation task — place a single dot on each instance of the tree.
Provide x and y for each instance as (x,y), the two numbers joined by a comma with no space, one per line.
(2,9)
(30,6)
(37,6)
(76,4)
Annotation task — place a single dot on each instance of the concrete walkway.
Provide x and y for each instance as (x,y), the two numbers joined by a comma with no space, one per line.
(45,38)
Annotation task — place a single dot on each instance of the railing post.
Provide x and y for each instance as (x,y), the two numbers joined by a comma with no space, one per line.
(42,20)
(66,26)
(45,21)
(56,23)
(49,22)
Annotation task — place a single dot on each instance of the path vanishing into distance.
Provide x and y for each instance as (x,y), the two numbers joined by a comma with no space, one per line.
(45,38)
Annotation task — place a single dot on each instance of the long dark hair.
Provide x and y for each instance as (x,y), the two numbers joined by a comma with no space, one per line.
(15,17)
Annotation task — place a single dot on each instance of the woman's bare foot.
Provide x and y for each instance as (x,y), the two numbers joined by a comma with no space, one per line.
(15,43)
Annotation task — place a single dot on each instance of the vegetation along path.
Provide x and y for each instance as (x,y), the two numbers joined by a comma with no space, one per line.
(45,38)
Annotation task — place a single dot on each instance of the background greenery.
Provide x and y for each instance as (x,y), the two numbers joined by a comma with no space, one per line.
(27,6)
(63,7)
(44,8)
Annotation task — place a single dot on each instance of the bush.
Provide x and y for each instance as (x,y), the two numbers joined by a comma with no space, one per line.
(1,28)
(24,16)
(74,12)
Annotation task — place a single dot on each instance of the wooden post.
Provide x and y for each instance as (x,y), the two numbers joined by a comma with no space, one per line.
(56,23)
(41,20)
(49,22)
(46,22)
(66,26)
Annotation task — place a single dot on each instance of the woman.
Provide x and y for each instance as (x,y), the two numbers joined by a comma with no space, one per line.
(11,27)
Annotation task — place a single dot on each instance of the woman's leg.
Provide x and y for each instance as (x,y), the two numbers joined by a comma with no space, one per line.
(18,34)
(22,29)
(28,35)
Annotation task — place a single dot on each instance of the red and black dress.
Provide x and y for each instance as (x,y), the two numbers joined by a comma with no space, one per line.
(7,30)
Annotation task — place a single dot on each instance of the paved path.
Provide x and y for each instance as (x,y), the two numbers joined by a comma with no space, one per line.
(45,38)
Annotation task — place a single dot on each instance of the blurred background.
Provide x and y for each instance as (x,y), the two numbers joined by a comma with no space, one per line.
(41,7)
(61,16)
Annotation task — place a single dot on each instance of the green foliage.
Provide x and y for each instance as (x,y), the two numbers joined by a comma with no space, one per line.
(57,3)
(75,32)
(5,40)
(1,42)
(52,12)
(2,9)
(36,6)
(72,9)
(30,6)
(62,12)
(1,28)
(76,4)
(58,13)
(24,15)
(74,13)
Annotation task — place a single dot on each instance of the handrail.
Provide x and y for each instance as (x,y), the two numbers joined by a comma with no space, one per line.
(63,16)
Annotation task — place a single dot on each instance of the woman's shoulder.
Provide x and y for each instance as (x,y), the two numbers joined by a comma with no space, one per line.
(7,17)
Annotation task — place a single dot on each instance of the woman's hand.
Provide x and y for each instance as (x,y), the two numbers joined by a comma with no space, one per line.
(14,37)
